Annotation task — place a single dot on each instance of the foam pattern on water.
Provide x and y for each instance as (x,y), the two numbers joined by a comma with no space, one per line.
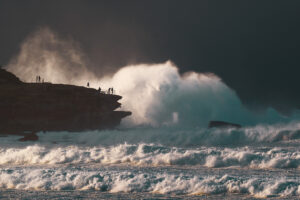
(153,155)
(139,181)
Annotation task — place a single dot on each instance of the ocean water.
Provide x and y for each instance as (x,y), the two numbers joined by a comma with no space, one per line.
(164,150)
(154,163)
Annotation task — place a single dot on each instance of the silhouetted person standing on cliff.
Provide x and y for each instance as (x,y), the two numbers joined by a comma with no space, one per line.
(88,84)
(112,90)
(38,79)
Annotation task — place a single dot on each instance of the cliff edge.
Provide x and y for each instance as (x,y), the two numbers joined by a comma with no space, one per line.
(27,108)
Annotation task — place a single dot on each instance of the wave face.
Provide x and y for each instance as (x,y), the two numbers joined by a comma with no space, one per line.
(180,137)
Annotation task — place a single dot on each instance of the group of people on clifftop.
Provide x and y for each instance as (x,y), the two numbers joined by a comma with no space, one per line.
(109,91)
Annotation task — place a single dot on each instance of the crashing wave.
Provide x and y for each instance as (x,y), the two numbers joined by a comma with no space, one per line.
(139,181)
(153,155)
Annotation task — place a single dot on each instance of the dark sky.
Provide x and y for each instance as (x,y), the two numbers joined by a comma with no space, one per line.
(254,46)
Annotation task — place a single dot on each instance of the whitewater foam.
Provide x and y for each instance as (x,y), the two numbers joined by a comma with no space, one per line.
(153,155)
(139,181)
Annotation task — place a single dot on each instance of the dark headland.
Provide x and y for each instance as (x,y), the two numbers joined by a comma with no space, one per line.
(28,108)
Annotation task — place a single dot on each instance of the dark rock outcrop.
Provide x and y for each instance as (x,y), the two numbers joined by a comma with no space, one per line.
(8,78)
(27,108)
(222,124)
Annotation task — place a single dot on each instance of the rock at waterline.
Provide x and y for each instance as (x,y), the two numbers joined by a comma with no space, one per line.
(222,124)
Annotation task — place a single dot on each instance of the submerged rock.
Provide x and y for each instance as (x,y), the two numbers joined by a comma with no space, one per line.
(28,108)
(222,124)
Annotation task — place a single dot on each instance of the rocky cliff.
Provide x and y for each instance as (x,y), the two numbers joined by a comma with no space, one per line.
(32,107)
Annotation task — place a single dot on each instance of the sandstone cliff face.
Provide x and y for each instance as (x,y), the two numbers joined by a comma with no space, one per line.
(32,107)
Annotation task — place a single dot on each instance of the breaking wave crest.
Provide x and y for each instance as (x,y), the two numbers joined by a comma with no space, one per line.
(158,95)
(153,155)
(139,181)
